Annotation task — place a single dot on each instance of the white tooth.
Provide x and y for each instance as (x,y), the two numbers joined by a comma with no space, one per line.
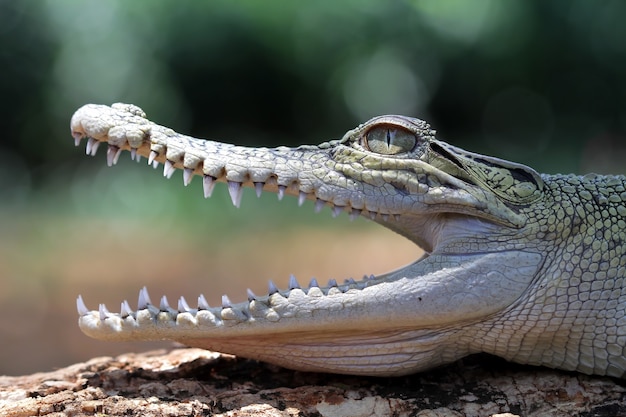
(104,313)
(372,215)
(187,176)
(168,169)
(272,288)
(293,282)
(116,157)
(385,217)
(152,157)
(133,153)
(125,309)
(319,205)
(208,183)
(90,143)
(337,211)
(138,158)
(354,214)
(155,164)
(144,299)
(111,153)
(281,192)
(80,306)
(77,140)
(235,191)
(94,147)
(313,283)
(396,217)
(251,295)
(226,302)
(301,198)
(182,305)
(202,303)
(164,305)
(258,188)
(111,150)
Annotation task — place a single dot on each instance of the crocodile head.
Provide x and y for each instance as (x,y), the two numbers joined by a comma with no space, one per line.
(469,213)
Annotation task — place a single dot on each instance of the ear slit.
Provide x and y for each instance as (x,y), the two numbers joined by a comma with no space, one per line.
(441,151)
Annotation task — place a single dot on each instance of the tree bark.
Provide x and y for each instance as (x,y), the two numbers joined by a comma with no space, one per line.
(194,382)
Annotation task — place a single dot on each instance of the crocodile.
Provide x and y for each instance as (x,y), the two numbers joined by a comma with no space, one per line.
(529,267)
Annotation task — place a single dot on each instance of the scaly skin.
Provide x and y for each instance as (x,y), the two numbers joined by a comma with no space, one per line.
(525,266)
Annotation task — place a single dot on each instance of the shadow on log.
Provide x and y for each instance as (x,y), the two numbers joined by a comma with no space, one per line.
(194,382)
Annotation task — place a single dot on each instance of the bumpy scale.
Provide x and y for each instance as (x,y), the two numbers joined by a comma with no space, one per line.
(526,266)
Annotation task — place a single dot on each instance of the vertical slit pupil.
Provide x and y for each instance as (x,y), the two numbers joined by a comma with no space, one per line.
(388,137)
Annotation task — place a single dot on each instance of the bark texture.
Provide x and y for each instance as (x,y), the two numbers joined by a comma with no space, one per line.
(194,382)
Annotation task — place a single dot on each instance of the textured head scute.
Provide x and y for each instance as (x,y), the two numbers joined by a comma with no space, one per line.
(515,183)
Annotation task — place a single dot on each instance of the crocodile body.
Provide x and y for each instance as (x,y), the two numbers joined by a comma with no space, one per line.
(526,266)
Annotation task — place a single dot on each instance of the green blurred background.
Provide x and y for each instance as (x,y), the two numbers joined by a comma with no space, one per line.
(537,82)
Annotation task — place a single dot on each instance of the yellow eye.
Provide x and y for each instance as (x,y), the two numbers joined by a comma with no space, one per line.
(389,140)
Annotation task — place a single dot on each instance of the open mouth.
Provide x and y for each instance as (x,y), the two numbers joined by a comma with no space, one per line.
(261,180)
(390,170)
(322,287)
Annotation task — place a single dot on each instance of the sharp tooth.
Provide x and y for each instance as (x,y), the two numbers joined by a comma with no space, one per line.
(258,188)
(354,213)
(144,299)
(251,295)
(272,288)
(187,176)
(152,158)
(208,183)
(89,147)
(77,139)
(293,282)
(373,215)
(94,147)
(301,198)
(319,205)
(138,158)
(313,283)
(372,276)
(168,169)
(125,309)
(80,306)
(182,305)
(337,211)
(385,217)
(164,305)
(202,303)
(235,191)
(111,155)
(104,313)
(281,192)
(350,281)
(117,156)
(332,283)
(226,302)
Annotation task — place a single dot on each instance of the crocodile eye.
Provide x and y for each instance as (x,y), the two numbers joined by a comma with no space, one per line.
(389,140)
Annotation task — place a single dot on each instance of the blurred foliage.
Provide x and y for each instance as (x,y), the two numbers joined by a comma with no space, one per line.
(530,80)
